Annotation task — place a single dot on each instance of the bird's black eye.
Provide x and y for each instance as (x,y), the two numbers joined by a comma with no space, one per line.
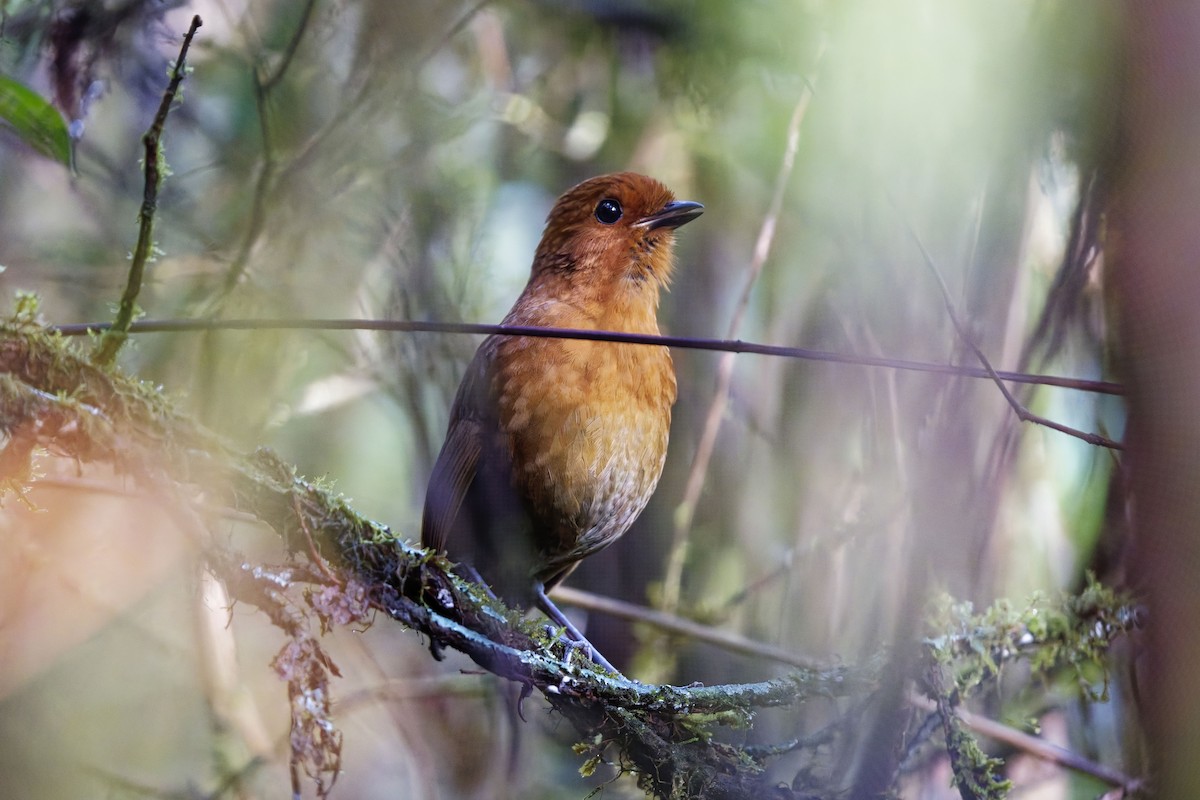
(608,211)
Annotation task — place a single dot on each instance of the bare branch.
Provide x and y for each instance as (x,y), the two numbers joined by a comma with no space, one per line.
(684,627)
(1033,745)
(264,84)
(1022,413)
(682,342)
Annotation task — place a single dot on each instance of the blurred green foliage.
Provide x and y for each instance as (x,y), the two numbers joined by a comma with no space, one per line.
(34,121)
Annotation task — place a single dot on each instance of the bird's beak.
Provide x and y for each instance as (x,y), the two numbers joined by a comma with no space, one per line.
(672,215)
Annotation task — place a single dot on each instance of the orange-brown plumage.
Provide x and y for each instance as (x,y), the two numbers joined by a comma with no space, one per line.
(555,445)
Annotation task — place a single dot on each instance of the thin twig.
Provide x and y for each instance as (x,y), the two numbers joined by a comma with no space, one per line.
(313,553)
(1023,414)
(673,575)
(1033,745)
(263,86)
(293,45)
(110,344)
(726,640)
(258,204)
(451,32)
(681,342)
(270,173)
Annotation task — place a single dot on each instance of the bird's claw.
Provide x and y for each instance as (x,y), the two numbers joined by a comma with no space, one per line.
(526,691)
(571,646)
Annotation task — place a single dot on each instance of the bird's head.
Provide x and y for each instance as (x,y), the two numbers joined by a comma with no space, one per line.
(617,228)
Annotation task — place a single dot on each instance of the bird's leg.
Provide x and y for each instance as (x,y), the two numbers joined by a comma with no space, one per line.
(559,618)
(470,573)
(569,645)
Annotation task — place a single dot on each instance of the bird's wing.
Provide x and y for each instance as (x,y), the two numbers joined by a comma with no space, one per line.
(448,484)
(458,462)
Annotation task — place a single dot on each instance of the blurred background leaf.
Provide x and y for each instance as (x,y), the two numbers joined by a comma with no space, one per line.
(34,121)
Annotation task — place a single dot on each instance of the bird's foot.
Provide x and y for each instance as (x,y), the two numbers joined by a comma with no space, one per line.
(571,646)
(578,640)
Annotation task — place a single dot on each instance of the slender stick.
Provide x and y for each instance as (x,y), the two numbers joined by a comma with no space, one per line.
(1033,745)
(685,343)
(264,84)
(1023,414)
(727,640)
(110,343)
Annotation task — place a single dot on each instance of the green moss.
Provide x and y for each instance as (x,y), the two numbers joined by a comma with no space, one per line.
(1067,633)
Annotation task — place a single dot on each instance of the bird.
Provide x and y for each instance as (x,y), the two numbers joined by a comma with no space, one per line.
(555,445)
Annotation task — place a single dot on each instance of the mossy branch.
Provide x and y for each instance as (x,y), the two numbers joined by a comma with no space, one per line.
(54,396)
(111,341)
(349,567)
